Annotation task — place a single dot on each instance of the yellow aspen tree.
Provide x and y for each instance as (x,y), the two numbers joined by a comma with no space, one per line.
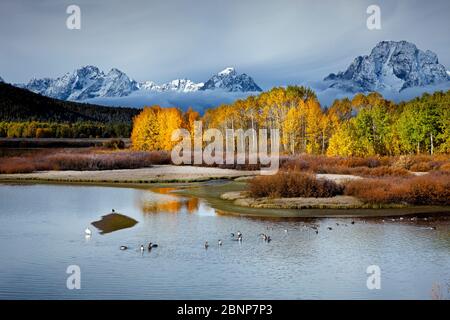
(146,129)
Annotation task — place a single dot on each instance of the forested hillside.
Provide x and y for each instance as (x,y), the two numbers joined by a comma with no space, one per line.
(22,105)
(24,114)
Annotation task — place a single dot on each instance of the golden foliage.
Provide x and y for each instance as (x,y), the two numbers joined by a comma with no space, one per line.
(153,127)
(367,125)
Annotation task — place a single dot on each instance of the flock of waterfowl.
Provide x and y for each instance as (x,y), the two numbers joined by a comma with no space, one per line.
(238,235)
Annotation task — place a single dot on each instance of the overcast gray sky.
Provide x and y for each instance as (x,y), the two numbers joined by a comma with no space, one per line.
(278,42)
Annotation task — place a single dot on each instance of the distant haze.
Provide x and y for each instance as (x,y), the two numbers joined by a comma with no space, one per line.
(276,42)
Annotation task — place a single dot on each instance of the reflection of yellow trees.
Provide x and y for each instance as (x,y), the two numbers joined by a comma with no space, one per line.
(162,207)
(174,204)
(192,205)
(167,190)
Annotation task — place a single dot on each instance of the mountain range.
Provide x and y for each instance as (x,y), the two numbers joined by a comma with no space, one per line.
(90,82)
(392,65)
(397,69)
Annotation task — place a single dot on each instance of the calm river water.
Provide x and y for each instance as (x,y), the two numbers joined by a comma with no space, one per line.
(42,233)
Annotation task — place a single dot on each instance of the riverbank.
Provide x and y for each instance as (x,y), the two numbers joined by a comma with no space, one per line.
(153,174)
(222,197)
(211,184)
(338,202)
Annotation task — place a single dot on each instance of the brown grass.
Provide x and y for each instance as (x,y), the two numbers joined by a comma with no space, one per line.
(431,189)
(292,184)
(399,166)
(82,160)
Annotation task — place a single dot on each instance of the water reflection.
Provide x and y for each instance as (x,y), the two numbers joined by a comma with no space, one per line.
(298,264)
(163,200)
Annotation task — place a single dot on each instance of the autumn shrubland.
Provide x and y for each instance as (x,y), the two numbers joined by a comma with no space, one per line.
(431,189)
(90,159)
(291,184)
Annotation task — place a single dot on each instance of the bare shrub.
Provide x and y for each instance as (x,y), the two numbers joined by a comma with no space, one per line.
(12,165)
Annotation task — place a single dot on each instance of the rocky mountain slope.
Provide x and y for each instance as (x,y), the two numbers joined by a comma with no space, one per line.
(392,65)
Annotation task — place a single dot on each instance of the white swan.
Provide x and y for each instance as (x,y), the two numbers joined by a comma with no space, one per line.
(87,232)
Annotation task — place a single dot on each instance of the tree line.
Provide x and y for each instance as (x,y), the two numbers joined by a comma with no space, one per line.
(365,125)
(34,129)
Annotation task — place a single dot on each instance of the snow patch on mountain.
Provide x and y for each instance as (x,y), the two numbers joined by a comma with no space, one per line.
(178,85)
(227,71)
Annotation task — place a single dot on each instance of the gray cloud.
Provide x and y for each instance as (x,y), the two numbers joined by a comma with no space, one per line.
(277,42)
(198,100)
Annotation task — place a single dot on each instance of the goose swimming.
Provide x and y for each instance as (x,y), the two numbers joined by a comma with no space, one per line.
(219,242)
(87,232)
(123,247)
(206,245)
(151,246)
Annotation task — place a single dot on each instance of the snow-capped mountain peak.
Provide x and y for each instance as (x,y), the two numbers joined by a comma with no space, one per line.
(84,83)
(226,80)
(227,71)
(229,80)
(391,65)
(116,83)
